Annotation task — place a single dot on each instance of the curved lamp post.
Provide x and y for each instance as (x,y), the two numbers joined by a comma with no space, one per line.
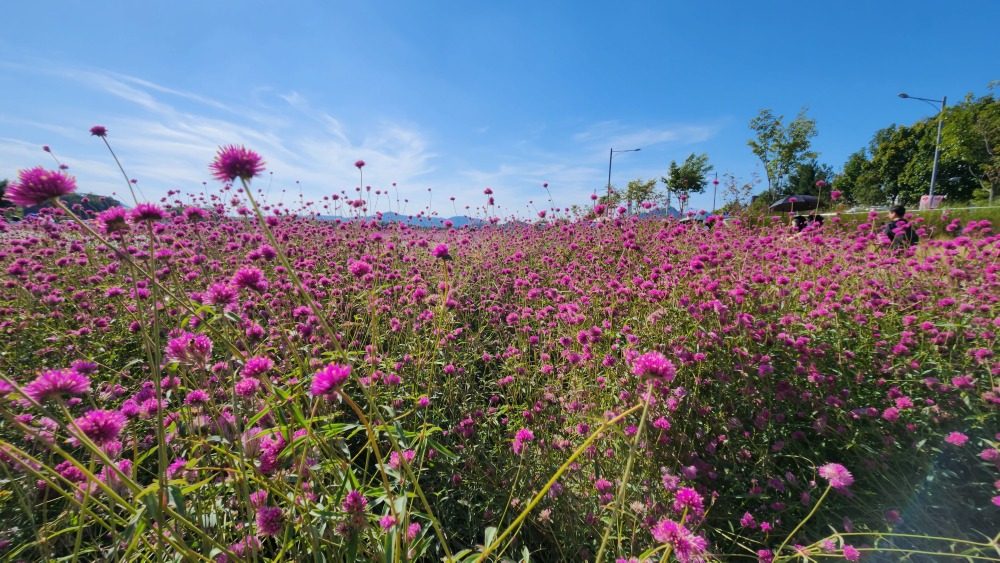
(937,144)
(610,156)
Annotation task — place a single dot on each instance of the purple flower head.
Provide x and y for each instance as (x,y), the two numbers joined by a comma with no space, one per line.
(359,164)
(146,212)
(101,426)
(654,365)
(354,502)
(387,521)
(256,366)
(56,383)
(838,475)
(189,349)
(835,194)
(113,220)
(85,367)
(687,546)
(37,185)
(196,397)
(523,435)
(99,131)
(330,379)
(46,148)
(270,520)
(956,439)
(250,278)
(232,162)
(221,294)
(359,268)
(688,498)
(195,214)
(441,251)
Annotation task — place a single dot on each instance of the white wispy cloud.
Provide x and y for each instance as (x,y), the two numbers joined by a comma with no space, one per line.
(166,138)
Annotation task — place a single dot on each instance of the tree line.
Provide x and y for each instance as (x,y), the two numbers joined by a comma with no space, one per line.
(895,166)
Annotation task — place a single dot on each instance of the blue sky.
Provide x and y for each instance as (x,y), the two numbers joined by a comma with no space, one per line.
(457,96)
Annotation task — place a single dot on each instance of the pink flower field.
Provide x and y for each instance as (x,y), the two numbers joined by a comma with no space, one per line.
(217,378)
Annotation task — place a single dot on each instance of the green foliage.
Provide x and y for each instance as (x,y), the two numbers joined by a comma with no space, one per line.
(691,176)
(898,162)
(804,177)
(83,204)
(3,192)
(782,147)
(640,191)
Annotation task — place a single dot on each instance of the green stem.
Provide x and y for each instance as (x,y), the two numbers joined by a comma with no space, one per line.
(628,470)
(777,552)
(562,469)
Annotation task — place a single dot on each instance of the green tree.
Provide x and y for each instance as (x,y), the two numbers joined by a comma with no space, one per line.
(640,191)
(612,198)
(689,177)
(885,178)
(804,177)
(3,193)
(782,147)
(851,180)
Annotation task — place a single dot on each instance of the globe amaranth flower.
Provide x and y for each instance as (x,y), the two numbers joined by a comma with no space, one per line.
(654,365)
(687,546)
(195,214)
(250,278)
(37,185)
(687,498)
(330,379)
(956,439)
(270,520)
(113,220)
(232,162)
(56,383)
(521,439)
(99,131)
(359,268)
(441,251)
(256,366)
(838,475)
(146,212)
(359,164)
(354,502)
(189,349)
(101,426)
(221,294)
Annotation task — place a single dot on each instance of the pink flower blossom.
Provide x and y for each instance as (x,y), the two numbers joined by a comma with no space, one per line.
(56,383)
(838,475)
(330,379)
(37,185)
(654,365)
(232,162)
(956,439)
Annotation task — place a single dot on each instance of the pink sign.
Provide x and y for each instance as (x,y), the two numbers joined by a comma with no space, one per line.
(927,203)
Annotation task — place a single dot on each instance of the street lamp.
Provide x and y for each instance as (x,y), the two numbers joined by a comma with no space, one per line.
(610,156)
(937,144)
